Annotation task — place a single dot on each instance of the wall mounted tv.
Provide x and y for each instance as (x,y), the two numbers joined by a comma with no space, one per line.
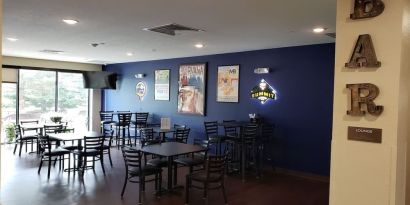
(100,80)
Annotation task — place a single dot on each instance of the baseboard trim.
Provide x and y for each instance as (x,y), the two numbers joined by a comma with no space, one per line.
(304,175)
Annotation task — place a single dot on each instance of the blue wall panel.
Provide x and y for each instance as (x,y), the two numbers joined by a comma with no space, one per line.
(302,76)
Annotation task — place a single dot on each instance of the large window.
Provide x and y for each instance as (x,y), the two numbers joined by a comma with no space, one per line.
(8,106)
(44,93)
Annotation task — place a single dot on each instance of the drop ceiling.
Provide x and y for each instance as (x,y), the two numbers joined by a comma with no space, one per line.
(229,25)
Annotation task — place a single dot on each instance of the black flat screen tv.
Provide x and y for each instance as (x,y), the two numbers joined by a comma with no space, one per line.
(100,80)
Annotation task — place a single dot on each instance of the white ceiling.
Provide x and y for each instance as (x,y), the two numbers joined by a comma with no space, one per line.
(230,25)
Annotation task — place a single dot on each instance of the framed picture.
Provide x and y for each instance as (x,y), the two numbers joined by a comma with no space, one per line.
(141,90)
(228,84)
(192,89)
(161,87)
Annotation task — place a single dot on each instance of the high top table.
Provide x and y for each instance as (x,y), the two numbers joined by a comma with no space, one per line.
(170,150)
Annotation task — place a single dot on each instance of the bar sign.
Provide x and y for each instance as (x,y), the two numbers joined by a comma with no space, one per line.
(364,134)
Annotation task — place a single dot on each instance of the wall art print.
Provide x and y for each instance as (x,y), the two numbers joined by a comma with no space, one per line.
(228,84)
(192,89)
(161,87)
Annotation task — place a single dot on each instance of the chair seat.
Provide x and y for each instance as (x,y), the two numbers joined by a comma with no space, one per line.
(147,170)
(90,152)
(189,161)
(217,138)
(56,152)
(107,122)
(28,137)
(158,162)
(201,176)
(69,147)
(105,147)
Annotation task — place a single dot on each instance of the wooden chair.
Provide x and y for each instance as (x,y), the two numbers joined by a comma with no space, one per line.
(213,177)
(136,172)
(48,154)
(23,139)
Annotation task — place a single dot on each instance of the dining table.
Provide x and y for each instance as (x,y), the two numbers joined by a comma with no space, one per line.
(170,150)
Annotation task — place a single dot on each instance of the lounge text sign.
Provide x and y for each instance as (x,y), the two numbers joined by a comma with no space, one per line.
(365,134)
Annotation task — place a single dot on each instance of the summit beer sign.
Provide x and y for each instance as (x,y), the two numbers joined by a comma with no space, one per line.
(263,92)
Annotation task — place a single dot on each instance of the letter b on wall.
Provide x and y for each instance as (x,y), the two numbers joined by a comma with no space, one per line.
(367,9)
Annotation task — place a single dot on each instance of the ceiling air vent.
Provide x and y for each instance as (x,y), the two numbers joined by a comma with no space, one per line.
(51,51)
(171,29)
(332,35)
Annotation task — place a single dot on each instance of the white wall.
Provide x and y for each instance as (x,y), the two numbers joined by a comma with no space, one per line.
(369,173)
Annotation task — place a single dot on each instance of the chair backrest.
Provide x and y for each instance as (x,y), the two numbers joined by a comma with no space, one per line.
(141,119)
(17,131)
(52,129)
(22,122)
(211,129)
(148,138)
(215,166)
(204,144)
(92,143)
(250,132)
(176,126)
(230,130)
(108,134)
(106,115)
(181,135)
(132,159)
(124,119)
(44,142)
(267,132)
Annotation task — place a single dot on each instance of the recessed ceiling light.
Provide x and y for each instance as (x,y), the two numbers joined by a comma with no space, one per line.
(199,45)
(129,54)
(70,21)
(12,39)
(319,29)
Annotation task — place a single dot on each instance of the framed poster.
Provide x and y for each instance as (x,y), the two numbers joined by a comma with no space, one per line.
(192,89)
(161,87)
(228,84)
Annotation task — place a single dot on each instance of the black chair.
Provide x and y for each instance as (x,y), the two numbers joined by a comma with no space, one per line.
(195,160)
(181,135)
(106,148)
(25,122)
(213,177)
(267,143)
(232,143)
(48,154)
(53,129)
(141,121)
(123,124)
(250,144)
(148,138)
(135,172)
(93,147)
(23,139)
(211,130)
(107,118)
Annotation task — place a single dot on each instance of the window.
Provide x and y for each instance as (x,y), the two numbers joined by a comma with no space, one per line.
(73,99)
(44,92)
(8,106)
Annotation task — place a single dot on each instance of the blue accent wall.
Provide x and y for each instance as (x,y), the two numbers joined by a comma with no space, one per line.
(302,76)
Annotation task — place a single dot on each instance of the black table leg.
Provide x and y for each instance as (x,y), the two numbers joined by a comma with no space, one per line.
(170,163)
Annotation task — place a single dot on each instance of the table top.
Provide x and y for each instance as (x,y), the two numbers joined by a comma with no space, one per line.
(158,129)
(234,124)
(73,136)
(169,149)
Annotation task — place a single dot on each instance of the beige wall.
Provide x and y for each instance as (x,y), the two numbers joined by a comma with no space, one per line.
(95,101)
(7,60)
(368,173)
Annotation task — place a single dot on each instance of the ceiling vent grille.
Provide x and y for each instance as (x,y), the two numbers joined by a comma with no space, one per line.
(332,35)
(172,29)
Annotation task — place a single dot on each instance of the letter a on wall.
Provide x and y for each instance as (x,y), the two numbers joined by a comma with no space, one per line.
(363,54)
(367,9)
(357,99)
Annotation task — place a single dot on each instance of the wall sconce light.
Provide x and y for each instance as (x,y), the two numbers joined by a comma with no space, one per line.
(139,75)
(261,70)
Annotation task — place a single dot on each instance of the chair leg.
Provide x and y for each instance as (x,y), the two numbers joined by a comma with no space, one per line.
(93,163)
(224,193)
(26,146)
(69,163)
(160,183)
(21,147)
(205,190)
(15,148)
(125,185)
(175,174)
(49,168)
(109,156)
(102,163)
(41,164)
(187,187)
(140,190)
